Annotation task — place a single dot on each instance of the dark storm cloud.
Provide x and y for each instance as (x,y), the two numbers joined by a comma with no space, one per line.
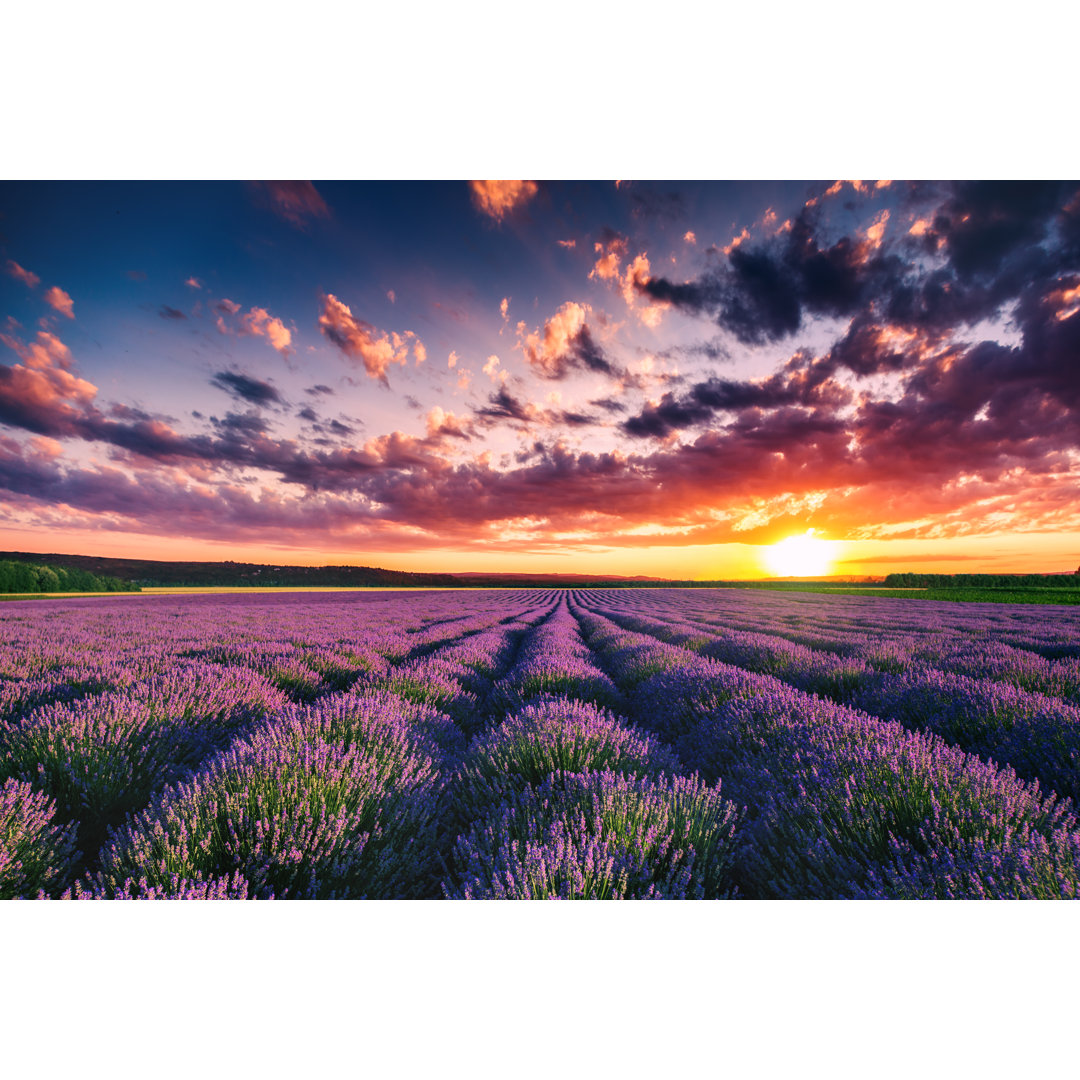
(585,353)
(610,405)
(245,388)
(803,381)
(993,240)
(761,294)
(502,405)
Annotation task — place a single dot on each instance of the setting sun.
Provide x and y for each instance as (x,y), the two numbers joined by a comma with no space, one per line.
(800,556)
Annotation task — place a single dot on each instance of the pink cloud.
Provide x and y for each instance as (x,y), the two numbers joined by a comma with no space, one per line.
(296,200)
(360,340)
(57,298)
(193,282)
(260,322)
(43,387)
(566,243)
(31,280)
(499,198)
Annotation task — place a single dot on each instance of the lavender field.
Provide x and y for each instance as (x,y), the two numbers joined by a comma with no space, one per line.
(694,744)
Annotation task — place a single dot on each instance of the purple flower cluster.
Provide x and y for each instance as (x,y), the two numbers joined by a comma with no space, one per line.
(294,815)
(601,835)
(37,855)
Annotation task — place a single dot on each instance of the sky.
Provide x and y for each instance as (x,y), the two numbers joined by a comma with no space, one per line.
(624,377)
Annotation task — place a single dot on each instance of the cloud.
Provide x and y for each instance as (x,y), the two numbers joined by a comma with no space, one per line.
(260,322)
(29,279)
(564,344)
(167,312)
(297,201)
(193,283)
(441,424)
(610,250)
(227,306)
(567,243)
(501,198)
(994,238)
(246,388)
(57,298)
(359,340)
(42,394)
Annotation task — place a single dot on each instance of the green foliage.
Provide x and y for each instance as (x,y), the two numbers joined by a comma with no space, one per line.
(20,577)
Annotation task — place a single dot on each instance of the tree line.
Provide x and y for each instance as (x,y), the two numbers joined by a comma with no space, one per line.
(20,577)
(983,581)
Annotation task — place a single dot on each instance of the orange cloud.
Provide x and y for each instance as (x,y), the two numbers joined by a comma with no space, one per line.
(451,360)
(360,340)
(498,198)
(547,351)
(610,257)
(19,274)
(876,232)
(736,241)
(638,272)
(57,298)
(260,322)
(441,423)
(690,237)
(566,243)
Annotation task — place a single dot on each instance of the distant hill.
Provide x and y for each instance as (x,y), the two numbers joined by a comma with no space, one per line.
(153,572)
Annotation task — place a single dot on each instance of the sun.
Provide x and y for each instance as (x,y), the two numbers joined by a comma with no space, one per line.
(799,556)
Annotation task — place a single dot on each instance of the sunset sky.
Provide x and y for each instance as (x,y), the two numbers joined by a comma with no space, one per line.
(622,377)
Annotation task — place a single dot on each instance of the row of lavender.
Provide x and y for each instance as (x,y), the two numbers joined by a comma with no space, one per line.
(473,745)
(927,673)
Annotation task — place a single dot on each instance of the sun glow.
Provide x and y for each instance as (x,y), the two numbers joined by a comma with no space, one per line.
(799,556)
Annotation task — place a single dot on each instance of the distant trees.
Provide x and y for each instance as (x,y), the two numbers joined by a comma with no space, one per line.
(20,577)
(979,581)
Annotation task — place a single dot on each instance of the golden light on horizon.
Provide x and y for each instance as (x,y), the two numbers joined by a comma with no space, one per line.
(800,556)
